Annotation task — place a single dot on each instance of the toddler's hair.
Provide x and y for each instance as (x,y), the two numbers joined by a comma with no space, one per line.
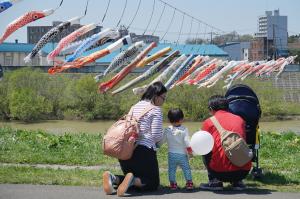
(175,115)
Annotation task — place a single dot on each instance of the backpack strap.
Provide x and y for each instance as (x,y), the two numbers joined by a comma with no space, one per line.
(146,110)
(223,133)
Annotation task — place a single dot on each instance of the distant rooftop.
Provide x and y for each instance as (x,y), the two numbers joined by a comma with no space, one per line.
(203,49)
(16,47)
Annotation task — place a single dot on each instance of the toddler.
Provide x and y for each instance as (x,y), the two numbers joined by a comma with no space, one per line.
(177,138)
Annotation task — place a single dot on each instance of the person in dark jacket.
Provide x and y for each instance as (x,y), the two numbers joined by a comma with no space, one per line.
(219,167)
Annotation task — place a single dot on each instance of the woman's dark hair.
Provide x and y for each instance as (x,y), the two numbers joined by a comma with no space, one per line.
(218,102)
(175,115)
(155,89)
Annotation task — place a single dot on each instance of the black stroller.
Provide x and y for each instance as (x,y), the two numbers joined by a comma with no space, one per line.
(244,102)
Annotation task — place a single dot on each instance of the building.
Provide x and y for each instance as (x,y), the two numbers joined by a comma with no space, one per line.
(146,38)
(237,50)
(272,36)
(35,33)
(135,38)
(13,54)
(260,49)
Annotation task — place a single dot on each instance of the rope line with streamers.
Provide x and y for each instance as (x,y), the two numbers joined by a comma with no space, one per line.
(137,10)
(108,3)
(180,29)
(169,26)
(122,14)
(189,35)
(61,2)
(159,19)
(150,17)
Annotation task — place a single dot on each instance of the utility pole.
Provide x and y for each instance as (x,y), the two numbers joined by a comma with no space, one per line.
(274,43)
(211,37)
(267,47)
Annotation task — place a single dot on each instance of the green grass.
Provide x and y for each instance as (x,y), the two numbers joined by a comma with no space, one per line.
(20,146)
(279,158)
(30,175)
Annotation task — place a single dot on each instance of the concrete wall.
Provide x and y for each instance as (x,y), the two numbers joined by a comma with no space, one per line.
(237,51)
(16,59)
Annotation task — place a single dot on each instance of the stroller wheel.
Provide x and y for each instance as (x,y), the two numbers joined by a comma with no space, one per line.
(257,173)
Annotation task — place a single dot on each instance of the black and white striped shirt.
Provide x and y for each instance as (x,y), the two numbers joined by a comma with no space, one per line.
(151,124)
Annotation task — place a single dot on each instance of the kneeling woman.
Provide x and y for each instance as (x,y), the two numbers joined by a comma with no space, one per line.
(141,170)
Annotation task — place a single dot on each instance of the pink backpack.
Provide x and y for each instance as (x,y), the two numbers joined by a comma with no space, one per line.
(119,140)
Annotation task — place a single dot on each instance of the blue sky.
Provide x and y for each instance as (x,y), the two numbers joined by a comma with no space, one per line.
(227,15)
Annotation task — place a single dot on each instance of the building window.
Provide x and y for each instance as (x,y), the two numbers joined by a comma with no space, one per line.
(8,59)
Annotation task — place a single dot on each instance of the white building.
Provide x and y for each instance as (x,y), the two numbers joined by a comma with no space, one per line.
(13,54)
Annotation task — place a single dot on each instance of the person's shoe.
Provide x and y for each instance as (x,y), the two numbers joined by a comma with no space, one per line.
(173,186)
(107,182)
(127,182)
(213,185)
(189,185)
(238,186)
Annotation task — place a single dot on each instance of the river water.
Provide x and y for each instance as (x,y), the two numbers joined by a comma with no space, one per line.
(63,126)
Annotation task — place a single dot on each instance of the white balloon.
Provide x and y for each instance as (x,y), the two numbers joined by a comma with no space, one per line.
(202,142)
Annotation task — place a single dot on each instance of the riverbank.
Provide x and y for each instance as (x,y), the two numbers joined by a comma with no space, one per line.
(94,127)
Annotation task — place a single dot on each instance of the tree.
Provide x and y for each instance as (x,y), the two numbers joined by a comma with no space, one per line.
(194,41)
(222,39)
(294,38)
(231,37)
(294,52)
(27,95)
(4,109)
(25,104)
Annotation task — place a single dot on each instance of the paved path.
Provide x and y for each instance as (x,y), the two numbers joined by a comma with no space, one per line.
(9,191)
